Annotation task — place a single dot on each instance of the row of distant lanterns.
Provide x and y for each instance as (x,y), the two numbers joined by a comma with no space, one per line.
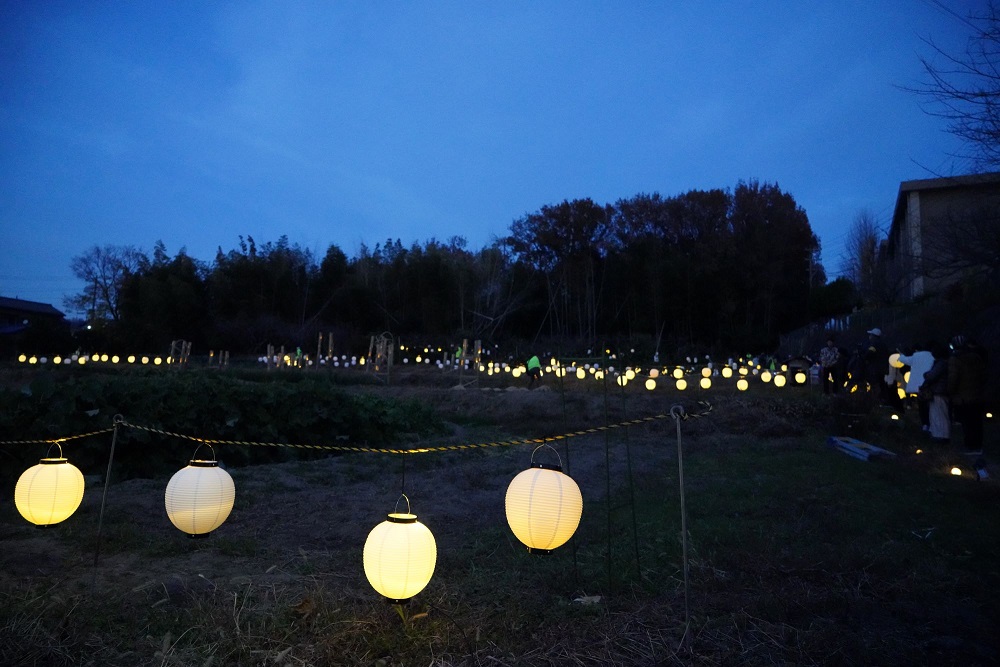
(83,359)
(543,507)
(554,367)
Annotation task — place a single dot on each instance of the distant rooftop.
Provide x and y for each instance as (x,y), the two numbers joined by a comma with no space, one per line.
(950,182)
(23,306)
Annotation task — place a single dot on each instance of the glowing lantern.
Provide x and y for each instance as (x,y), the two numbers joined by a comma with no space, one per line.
(598,374)
(894,360)
(894,418)
(784,367)
(706,372)
(157,361)
(49,492)
(516,372)
(779,380)
(742,384)
(630,374)
(399,556)
(82,360)
(57,360)
(543,506)
(989,415)
(199,497)
(621,380)
(114,359)
(901,392)
(681,384)
(956,471)
(800,377)
(131,358)
(581,374)
(727,372)
(743,371)
(104,357)
(651,384)
(654,373)
(33,360)
(706,383)
(678,373)
(145,360)
(766,376)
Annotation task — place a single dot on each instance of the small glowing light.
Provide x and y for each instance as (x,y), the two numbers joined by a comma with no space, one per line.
(727,372)
(131,358)
(420,358)
(956,471)
(784,367)
(742,384)
(895,418)
(766,376)
(779,380)
(630,374)
(114,359)
(104,357)
(32,360)
(95,357)
(920,451)
(57,360)
(621,380)
(23,358)
(800,377)
(678,373)
(706,372)
(581,374)
(989,415)
(681,384)
(743,371)
(145,360)
(706,383)
(82,360)
(894,360)
(157,361)
(650,384)
(901,392)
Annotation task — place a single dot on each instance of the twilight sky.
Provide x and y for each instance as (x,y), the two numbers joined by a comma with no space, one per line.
(353,122)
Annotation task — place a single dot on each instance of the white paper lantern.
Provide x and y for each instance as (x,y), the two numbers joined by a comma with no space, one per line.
(650,384)
(727,372)
(742,384)
(49,492)
(199,497)
(705,383)
(800,377)
(779,380)
(766,376)
(543,506)
(399,556)
(681,384)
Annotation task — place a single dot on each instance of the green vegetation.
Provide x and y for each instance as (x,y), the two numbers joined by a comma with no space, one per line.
(250,406)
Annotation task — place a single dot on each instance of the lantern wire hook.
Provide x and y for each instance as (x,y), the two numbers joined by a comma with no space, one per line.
(54,444)
(554,450)
(401,497)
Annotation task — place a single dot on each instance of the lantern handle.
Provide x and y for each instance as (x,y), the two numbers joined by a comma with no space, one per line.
(545,444)
(194,457)
(54,444)
(401,496)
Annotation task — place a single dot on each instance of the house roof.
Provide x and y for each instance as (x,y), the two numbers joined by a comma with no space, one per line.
(20,305)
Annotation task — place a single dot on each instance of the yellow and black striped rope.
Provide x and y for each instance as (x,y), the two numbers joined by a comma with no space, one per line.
(56,441)
(706,409)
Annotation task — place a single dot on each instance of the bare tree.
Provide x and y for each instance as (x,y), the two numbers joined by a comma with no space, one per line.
(964,88)
(861,251)
(103,269)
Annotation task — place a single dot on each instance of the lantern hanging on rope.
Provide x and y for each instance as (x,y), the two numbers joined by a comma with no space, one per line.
(200,496)
(50,491)
(543,506)
(399,555)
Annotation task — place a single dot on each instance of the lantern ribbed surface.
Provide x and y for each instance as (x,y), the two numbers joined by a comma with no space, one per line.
(49,492)
(543,508)
(399,557)
(199,498)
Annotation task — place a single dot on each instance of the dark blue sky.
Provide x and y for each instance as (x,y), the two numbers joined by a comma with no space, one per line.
(349,123)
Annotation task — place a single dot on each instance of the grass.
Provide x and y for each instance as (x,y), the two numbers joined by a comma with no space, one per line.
(798,555)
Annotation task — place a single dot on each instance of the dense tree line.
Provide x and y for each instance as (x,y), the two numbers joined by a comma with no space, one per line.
(716,269)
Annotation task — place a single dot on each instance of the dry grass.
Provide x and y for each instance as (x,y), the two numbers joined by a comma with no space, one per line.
(798,555)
